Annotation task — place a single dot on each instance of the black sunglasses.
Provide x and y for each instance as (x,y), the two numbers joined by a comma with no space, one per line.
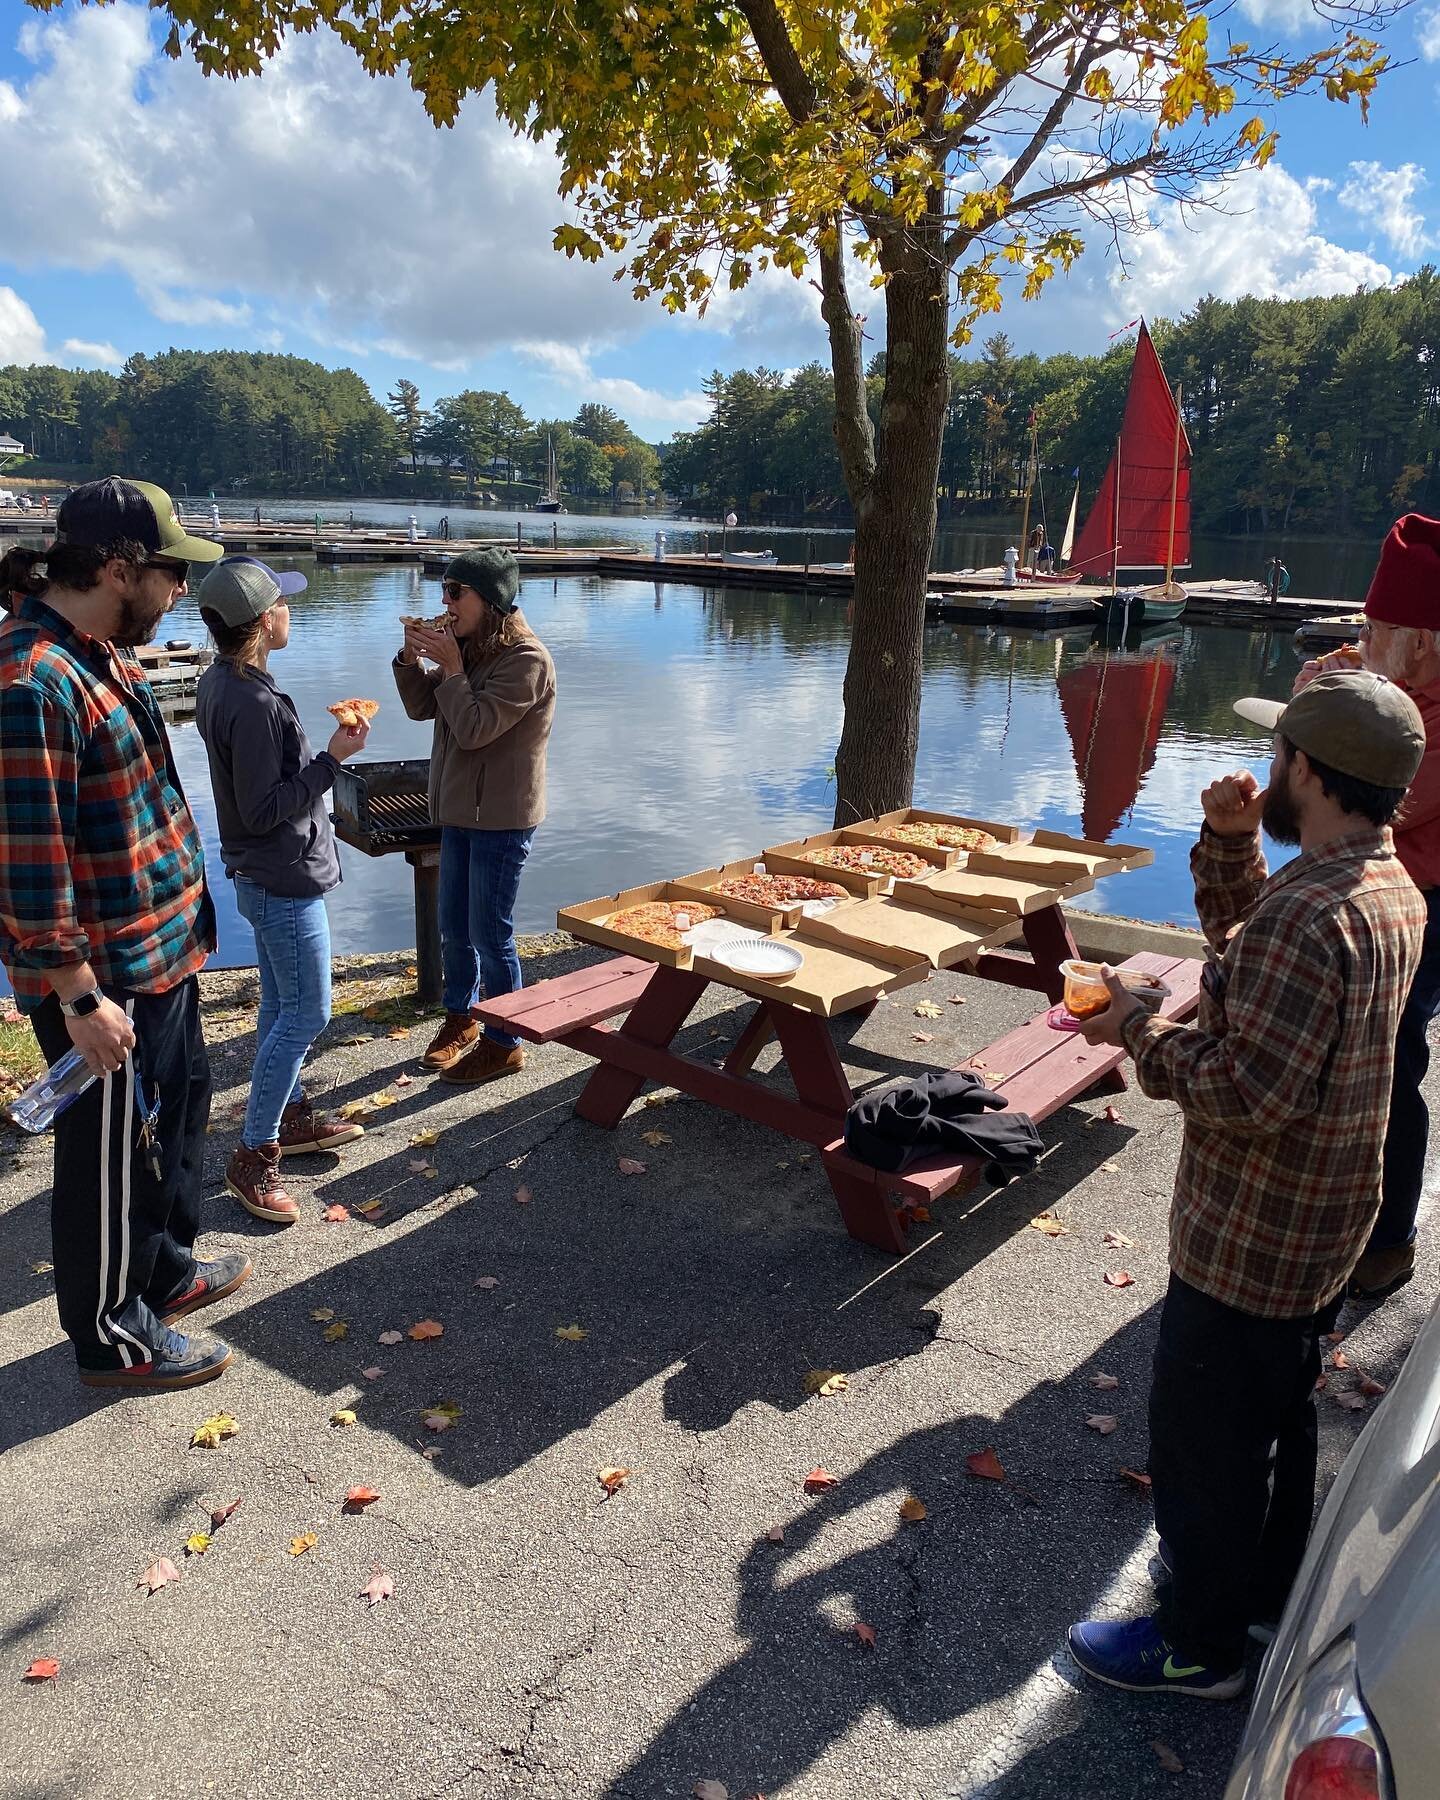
(452,590)
(180,571)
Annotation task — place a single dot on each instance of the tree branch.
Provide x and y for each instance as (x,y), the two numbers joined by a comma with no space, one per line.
(781,58)
(854,433)
(1025,161)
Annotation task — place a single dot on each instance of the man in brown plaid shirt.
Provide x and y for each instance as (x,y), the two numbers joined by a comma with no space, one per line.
(1284,1082)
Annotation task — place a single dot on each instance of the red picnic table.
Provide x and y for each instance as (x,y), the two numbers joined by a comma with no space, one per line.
(1037,1068)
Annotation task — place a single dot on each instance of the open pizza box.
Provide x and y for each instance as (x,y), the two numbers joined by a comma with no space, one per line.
(832,978)
(875,829)
(700,886)
(588,920)
(1052,857)
(791,859)
(944,938)
(968,889)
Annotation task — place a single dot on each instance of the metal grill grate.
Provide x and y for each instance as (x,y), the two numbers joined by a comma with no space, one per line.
(382,806)
(399,812)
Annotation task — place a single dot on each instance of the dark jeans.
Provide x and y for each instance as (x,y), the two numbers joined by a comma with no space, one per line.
(1408,1132)
(1232,1460)
(479,883)
(123,1242)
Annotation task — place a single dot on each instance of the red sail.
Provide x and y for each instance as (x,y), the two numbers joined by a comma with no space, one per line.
(1146,473)
(1114,708)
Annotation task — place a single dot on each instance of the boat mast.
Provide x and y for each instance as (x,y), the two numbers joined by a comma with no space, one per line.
(1115,534)
(1029,484)
(1174,495)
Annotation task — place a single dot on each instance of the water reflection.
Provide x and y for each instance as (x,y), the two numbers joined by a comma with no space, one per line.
(1113,703)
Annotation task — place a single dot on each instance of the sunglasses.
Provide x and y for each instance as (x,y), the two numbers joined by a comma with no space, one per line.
(179,572)
(452,590)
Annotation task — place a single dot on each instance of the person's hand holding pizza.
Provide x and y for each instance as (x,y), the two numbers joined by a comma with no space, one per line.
(348,740)
(438,647)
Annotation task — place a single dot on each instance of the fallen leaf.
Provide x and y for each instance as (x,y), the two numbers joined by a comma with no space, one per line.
(1049,1226)
(336,1214)
(378,1102)
(1119,1278)
(612,1479)
(159,1572)
(214,1430)
(360,1497)
(912,1510)
(391,1337)
(927,1009)
(219,1514)
(1104,1423)
(373,1373)
(423,1139)
(1136,1478)
(1354,1401)
(1339,1360)
(818,1480)
(355,1109)
(1110,1168)
(656,1138)
(1321,1383)
(710,1790)
(44,1668)
(417,1165)
(343,1416)
(299,1545)
(430,1174)
(1167,1758)
(370,1209)
(379,1587)
(865,1633)
(957,999)
(321,1313)
(918,1215)
(1104,1382)
(775,1535)
(398,1031)
(923,1037)
(986,1464)
(431,1453)
(572,1334)
(1335,1337)
(402,1081)
(197,1543)
(488,1281)
(332,1334)
(825,1381)
(627,1165)
(523,1197)
(1369,1385)
(1117,1240)
(437,1421)
(423,1329)
(41,1268)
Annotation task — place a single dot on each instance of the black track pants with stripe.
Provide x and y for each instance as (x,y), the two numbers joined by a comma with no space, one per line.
(124,1241)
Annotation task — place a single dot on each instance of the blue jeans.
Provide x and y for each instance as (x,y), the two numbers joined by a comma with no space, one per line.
(479,883)
(292,947)
(1408,1133)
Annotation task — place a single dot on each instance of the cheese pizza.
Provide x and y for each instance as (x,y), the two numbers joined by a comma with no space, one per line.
(354,713)
(871,859)
(661,922)
(940,837)
(779,890)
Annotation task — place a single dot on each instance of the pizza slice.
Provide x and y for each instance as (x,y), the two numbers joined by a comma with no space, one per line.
(354,713)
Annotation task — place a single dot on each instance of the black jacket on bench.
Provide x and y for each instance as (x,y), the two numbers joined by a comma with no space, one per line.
(942,1114)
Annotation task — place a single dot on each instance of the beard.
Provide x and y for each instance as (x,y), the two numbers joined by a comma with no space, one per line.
(140,616)
(1280,816)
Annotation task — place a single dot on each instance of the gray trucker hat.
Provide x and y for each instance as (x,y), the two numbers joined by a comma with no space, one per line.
(242,587)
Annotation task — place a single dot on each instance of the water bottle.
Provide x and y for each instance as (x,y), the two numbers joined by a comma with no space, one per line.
(49,1094)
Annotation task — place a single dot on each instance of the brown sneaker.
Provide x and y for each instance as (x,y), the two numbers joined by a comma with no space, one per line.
(1380,1272)
(302,1128)
(486,1062)
(451,1041)
(253,1177)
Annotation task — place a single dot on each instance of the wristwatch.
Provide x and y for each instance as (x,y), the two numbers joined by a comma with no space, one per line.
(82,1005)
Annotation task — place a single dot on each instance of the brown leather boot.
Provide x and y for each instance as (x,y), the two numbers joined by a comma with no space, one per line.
(302,1128)
(451,1041)
(253,1177)
(1380,1272)
(486,1062)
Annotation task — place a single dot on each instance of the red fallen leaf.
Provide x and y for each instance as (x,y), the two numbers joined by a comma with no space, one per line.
(1352,1402)
(923,1037)
(44,1668)
(776,1534)
(1119,1278)
(865,1633)
(379,1587)
(1104,1423)
(1339,1360)
(1321,1383)
(334,1215)
(1335,1337)
(219,1514)
(358,1498)
(818,1480)
(438,1421)
(986,1464)
(1369,1385)
(1137,1479)
(488,1281)
(425,1328)
(1099,1380)
(1167,1758)
(159,1572)
(710,1790)
(957,999)
(523,1197)
(627,1165)
(1112,1116)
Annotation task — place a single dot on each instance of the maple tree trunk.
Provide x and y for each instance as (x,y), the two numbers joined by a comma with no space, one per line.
(894,537)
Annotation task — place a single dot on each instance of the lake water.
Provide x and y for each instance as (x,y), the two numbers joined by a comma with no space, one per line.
(698,725)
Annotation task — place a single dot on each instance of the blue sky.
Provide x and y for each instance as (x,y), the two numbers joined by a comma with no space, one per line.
(316,212)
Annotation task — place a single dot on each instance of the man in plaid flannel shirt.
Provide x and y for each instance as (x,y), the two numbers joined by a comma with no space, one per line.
(1284,1083)
(105,920)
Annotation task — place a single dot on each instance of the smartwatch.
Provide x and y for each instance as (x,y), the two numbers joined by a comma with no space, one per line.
(82,1005)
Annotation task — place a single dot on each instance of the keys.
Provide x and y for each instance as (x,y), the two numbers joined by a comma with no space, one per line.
(149,1134)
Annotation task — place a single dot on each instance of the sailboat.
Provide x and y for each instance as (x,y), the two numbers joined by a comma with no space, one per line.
(550,500)
(1138,527)
(1114,706)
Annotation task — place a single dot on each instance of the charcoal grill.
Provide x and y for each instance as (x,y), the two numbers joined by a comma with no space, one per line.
(381,810)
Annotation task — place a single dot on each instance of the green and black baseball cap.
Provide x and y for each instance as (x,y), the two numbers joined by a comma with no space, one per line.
(104,512)
(1355,722)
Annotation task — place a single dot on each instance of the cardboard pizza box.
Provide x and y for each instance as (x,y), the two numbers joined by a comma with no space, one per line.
(969,889)
(833,978)
(588,920)
(1126,856)
(1045,863)
(791,859)
(943,938)
(912,815)
(698,886)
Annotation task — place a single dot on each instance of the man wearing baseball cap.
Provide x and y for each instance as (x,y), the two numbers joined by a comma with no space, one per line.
(1284,1085)
(105,922)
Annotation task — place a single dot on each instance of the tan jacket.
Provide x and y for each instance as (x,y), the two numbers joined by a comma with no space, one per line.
(487,764)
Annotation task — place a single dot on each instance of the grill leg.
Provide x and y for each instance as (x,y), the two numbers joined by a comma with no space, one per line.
(426,864)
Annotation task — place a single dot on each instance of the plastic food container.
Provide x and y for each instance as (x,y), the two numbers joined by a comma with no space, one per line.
(1087,994)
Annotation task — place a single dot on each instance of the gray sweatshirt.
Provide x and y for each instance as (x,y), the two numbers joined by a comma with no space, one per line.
(269,788)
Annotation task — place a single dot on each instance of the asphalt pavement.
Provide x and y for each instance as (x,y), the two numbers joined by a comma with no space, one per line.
(545,1640)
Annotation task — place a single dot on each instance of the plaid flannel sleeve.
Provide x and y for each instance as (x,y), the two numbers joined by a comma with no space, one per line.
(1282,1013)
(39,774)
(1229,873)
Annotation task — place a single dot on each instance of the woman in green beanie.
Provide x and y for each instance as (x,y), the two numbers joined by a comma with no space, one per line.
(491,694)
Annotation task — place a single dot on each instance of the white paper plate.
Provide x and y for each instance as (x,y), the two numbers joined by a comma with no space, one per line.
(758,956)
(709,932)
(815,909)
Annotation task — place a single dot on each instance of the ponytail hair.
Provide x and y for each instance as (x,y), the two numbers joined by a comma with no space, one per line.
(73,566)
(22,572)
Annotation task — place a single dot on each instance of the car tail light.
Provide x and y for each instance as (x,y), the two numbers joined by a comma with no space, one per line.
(1335,1768)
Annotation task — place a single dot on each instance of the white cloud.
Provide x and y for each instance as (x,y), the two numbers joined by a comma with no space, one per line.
(1427,33)
(190,309)
(81,350)
(647,409)
(1283,15)
(1382,198)
(1263,242)
(22,339)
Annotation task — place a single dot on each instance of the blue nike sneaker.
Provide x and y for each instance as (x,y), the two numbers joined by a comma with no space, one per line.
(1134,1654)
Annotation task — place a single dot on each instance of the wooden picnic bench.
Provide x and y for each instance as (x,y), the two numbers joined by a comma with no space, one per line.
(1037,1068)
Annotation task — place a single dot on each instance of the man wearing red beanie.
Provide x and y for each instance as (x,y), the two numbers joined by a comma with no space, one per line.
(1401,640)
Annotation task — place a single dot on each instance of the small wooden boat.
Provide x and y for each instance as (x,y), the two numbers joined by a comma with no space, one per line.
(1155,605)
(744,558)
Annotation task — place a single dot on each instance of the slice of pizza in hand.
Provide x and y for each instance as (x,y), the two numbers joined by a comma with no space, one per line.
(352,714)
